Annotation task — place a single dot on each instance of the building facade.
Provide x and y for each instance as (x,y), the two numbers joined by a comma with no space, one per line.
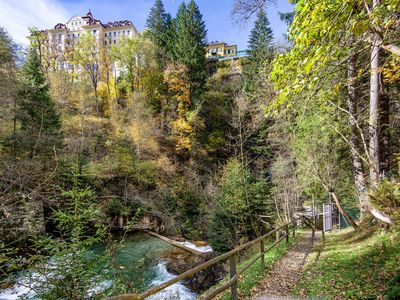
(108,34)
(217,50)
(58,41)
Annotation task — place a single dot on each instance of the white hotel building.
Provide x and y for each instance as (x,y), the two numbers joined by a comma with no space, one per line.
(65,35)
(108,34)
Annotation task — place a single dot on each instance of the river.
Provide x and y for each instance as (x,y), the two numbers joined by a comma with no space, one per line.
(140,261)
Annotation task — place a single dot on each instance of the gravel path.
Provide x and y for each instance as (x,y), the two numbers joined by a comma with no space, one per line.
(284,274)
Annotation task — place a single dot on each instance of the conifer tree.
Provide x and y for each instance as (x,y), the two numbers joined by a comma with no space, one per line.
(178,33)
(189,39)
(260,43)
(8,71)
(37,111)
(287,17)
(260,49)
(169,36)
(158,23)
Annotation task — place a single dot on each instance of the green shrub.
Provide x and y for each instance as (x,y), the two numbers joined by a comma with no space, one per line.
(241,200)
(394,291)
(221,232)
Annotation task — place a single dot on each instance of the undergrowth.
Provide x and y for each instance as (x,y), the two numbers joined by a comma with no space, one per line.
(362,264)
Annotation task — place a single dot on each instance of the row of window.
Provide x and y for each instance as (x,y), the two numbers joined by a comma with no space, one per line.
(77,23)
(110,43)
(217,50)
(94,32)
(214,50)
(128,32)
(93,47)
(69,35)
(110,34)
(105,43)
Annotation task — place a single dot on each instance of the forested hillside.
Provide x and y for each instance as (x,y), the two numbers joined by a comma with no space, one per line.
(215,151)
(166,137)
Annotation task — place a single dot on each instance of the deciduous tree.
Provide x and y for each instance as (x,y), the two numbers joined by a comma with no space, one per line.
(86,54)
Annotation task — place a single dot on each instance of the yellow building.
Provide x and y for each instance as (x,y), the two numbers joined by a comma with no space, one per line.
(219,50)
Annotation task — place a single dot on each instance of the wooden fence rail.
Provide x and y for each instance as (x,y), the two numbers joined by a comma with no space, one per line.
(233,258)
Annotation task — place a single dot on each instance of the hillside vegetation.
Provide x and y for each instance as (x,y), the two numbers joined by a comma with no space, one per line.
(363,264)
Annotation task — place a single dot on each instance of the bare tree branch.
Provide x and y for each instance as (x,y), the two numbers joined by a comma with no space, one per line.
(244,9)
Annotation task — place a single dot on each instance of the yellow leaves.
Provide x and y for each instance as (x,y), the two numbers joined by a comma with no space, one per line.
(391,70)
(177,79)
(183,126)
(105,99)
(178,83)
(142,135)
(183,135)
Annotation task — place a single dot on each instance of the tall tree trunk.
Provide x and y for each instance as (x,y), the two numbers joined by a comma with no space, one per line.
(374,120)
(96,96)
(114,69)
(352,103)
(385,135)
(374,106)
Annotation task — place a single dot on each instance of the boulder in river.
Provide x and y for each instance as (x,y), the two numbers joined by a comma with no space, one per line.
(180,261)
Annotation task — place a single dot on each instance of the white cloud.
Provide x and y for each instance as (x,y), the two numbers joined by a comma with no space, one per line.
(16,16)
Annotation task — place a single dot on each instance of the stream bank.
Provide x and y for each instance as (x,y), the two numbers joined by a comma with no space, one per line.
(142,261)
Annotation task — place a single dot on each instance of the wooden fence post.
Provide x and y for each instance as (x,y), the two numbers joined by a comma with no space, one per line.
(262,256)
(234,291)
(287,233)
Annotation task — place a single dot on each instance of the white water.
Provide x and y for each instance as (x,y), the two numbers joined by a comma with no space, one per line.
(203,249)
(176,291)
(20,288)
(135,248)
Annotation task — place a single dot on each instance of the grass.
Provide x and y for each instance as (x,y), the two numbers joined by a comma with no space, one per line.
(252,277)
(362,264)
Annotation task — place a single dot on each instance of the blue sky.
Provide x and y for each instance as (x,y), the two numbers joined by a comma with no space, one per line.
(17,15)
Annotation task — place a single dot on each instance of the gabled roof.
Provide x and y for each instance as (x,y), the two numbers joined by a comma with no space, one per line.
(118,24)
(60,26)
(92,21)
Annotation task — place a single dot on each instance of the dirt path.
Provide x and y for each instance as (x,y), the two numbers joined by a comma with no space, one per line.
(284,274)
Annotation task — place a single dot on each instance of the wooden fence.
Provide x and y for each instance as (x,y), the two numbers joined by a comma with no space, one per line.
(288,229)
